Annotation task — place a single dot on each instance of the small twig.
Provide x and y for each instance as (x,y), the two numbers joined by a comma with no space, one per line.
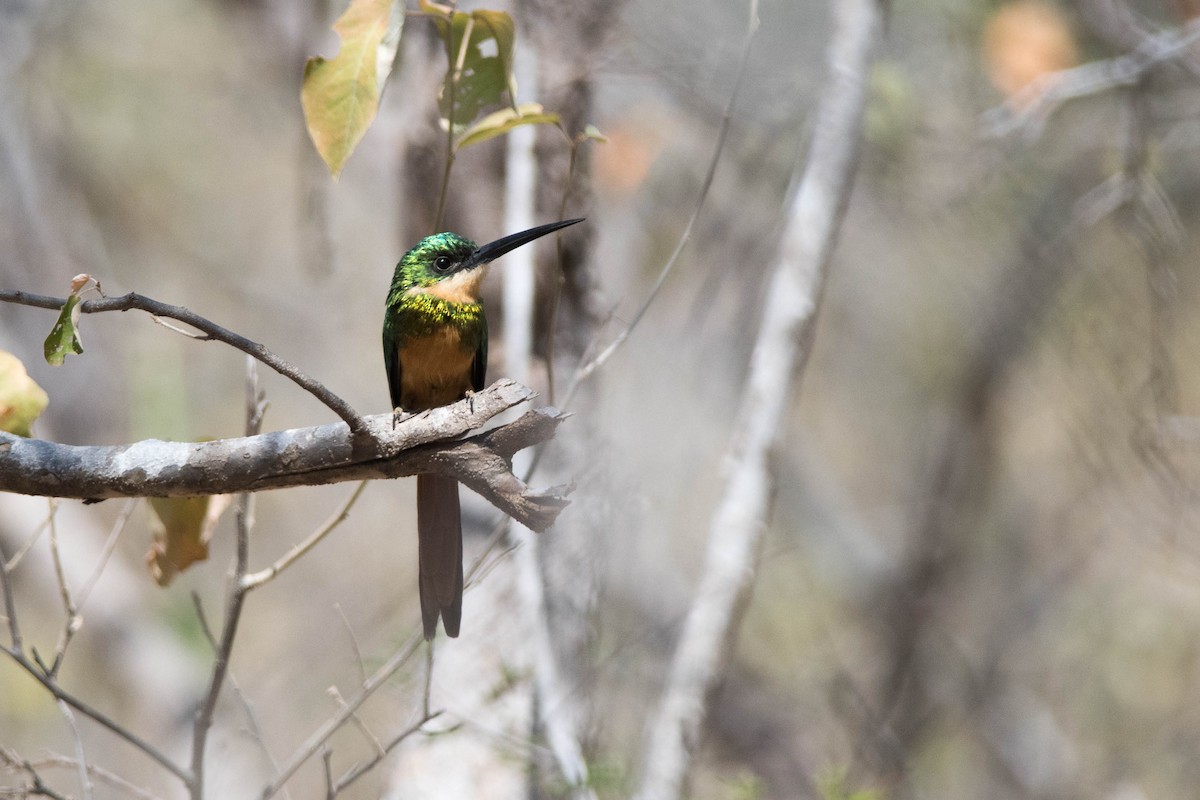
(30,542)
(101,775)
(248,709)
(173,327)
(320,736)
(358,770)
(427,690)
(327,763)
(60,575)
(333,692)
(80,757)
(358,657)
(476,571)
(110,545)
(556,295)
(10,606)
(235,600)
(453,75)
(51,685)
(36,786)
(584,371)
(255,579)
(212,332)
(73,621)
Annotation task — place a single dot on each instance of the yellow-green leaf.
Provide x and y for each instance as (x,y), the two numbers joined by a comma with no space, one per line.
(593,133)
(503,121)
(481,73)
(181,528)
(64,336)
(340,96)
(21,399)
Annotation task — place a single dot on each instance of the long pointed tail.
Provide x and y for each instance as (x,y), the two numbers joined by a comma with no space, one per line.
(439,536)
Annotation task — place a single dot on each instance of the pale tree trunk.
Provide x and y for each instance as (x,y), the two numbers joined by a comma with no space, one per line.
(781,351)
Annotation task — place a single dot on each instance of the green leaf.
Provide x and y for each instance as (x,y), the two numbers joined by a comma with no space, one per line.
(181,528)
(340,96)
(21,399)
(482,72)
(64,336)
(503,121)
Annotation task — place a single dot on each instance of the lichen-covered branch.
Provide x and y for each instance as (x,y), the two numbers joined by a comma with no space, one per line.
(425,442)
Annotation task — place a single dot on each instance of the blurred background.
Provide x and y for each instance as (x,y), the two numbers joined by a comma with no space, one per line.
(982,573)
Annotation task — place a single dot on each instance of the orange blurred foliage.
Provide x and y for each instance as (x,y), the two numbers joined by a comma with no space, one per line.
(1025,40)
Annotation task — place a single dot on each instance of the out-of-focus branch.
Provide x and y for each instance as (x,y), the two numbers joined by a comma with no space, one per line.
(780,353)
(425,442)
(255,407)
(320,737)
(586,369)
(212,332)
(1029,110)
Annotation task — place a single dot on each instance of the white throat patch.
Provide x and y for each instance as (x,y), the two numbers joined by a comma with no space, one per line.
(461,287)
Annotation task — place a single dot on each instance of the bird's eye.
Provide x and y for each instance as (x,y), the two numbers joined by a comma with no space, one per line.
(442,263)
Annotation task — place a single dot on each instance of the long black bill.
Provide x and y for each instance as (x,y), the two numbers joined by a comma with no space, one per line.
(493,250)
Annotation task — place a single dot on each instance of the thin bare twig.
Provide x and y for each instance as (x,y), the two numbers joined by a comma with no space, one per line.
(10,606)
(333,692)
(100,774)
(327,763)
(320,737)
(453,75)
(30,542)
(51,685)
(36,785)
(110,544)
(81,763)
(73,621)
(248,709)
(255,579)
(47,675)
(212,332)
(358,770)
(584,371)
(237,595)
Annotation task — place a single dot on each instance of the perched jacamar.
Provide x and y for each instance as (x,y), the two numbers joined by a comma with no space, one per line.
(435,346)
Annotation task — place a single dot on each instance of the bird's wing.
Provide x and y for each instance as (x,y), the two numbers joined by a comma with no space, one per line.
(479,364)
(391,361)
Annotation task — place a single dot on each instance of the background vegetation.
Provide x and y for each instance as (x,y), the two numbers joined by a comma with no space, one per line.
(980,577)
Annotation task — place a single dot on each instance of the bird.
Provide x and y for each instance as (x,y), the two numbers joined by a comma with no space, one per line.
(435,348)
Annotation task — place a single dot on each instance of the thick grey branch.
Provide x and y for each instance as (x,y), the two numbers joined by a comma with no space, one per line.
(425,442)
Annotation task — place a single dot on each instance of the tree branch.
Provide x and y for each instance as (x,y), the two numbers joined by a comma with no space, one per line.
(425,442)
(1029,110)
(212,332)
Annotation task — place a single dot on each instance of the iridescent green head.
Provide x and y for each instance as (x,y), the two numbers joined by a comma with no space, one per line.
(445,255)
(434,259)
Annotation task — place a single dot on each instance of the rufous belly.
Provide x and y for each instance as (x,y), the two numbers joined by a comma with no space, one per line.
(434,370)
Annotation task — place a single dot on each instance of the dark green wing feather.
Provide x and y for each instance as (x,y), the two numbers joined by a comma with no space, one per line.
(391,362)
(479,365)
